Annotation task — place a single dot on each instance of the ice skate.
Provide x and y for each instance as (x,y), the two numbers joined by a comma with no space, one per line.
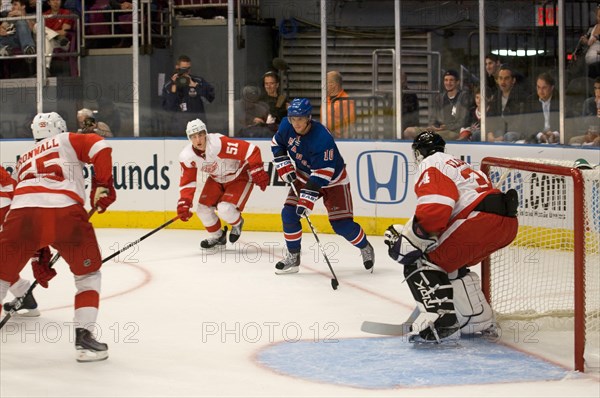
(27,308)
(235,233)
(88,349)
(289,265)
(437,335)
(212,241)
(368,256)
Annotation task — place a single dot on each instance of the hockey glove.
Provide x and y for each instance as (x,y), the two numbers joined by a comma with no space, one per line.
(306,202)
(102,195)
(40,262)
(285,168)
(390,237)
(183,209)
(413,243)
(259,177)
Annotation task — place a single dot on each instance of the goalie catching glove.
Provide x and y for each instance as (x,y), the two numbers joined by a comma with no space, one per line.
(183,209)
(408,246)
(40,262)
(259,177)
(102,195)
(285,168)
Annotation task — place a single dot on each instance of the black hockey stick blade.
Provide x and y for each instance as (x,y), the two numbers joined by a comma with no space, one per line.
(386,329)
(334,283)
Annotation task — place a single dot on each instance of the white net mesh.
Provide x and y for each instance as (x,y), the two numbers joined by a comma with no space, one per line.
(534,277)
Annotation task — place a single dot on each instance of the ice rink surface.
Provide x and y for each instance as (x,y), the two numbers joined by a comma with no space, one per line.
(184,322)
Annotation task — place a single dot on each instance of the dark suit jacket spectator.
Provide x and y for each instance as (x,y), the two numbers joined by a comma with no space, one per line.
(535,117)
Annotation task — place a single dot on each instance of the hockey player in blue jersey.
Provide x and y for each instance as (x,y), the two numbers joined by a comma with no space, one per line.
(306,155)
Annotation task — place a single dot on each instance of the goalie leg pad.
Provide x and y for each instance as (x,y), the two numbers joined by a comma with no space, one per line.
(433,293)
(472,309)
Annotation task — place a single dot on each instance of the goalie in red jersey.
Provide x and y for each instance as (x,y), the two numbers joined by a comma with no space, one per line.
(47,209)
(233,166)
(460,219)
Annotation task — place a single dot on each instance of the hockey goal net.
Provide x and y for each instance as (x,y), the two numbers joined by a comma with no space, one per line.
(548,279)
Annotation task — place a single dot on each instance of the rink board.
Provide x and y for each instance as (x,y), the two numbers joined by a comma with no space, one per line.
(382,175)
(393,362)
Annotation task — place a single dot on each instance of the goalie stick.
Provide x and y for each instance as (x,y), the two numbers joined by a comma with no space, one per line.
(391,329)
(20,300)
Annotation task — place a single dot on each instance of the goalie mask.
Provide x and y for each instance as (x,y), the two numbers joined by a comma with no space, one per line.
(427,143)
(194,127)
(46,125)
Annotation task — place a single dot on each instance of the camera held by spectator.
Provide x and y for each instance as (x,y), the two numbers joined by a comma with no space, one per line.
(183,78)
(89,124)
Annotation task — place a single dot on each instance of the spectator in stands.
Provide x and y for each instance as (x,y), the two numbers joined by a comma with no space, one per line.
(17,34)
(108,112)
(472,131)
(543,112)
(251,114)
(591,106)
(492,67)
(74,6)
(88,123)
(410,106)
(590,138)
(449,112)
(505,121)
(57,27)
(124,18)
(182,95)
(277,103)
(341,112)
(592,41)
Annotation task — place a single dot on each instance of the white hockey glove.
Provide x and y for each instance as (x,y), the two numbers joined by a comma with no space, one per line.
(411,243)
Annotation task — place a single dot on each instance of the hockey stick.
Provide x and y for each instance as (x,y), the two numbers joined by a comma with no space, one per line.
(130,245)
(20,300)
(391,329)
(334,280)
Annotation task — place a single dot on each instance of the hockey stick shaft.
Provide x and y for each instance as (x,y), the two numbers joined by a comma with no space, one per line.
(334,281)
(57,256)
(130,245)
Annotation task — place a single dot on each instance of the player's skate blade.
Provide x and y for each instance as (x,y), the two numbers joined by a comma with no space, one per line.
(212,242)
(235,233)
(27,309)
(368,256)
(87,348)
(440,335)
(289,265)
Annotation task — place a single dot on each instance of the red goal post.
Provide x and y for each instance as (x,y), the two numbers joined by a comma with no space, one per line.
(551,269)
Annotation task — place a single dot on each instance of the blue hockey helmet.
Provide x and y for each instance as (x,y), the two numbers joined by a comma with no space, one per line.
(299,107)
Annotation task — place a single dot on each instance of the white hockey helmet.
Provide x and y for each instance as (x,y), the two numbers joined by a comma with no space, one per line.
(195,126)
(47,124)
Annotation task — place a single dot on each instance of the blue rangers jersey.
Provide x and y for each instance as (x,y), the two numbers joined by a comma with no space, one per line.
(316,156)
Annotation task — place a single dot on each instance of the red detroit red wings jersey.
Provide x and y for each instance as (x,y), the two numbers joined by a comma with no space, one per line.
(51,174)
(447,189)
(223,160)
